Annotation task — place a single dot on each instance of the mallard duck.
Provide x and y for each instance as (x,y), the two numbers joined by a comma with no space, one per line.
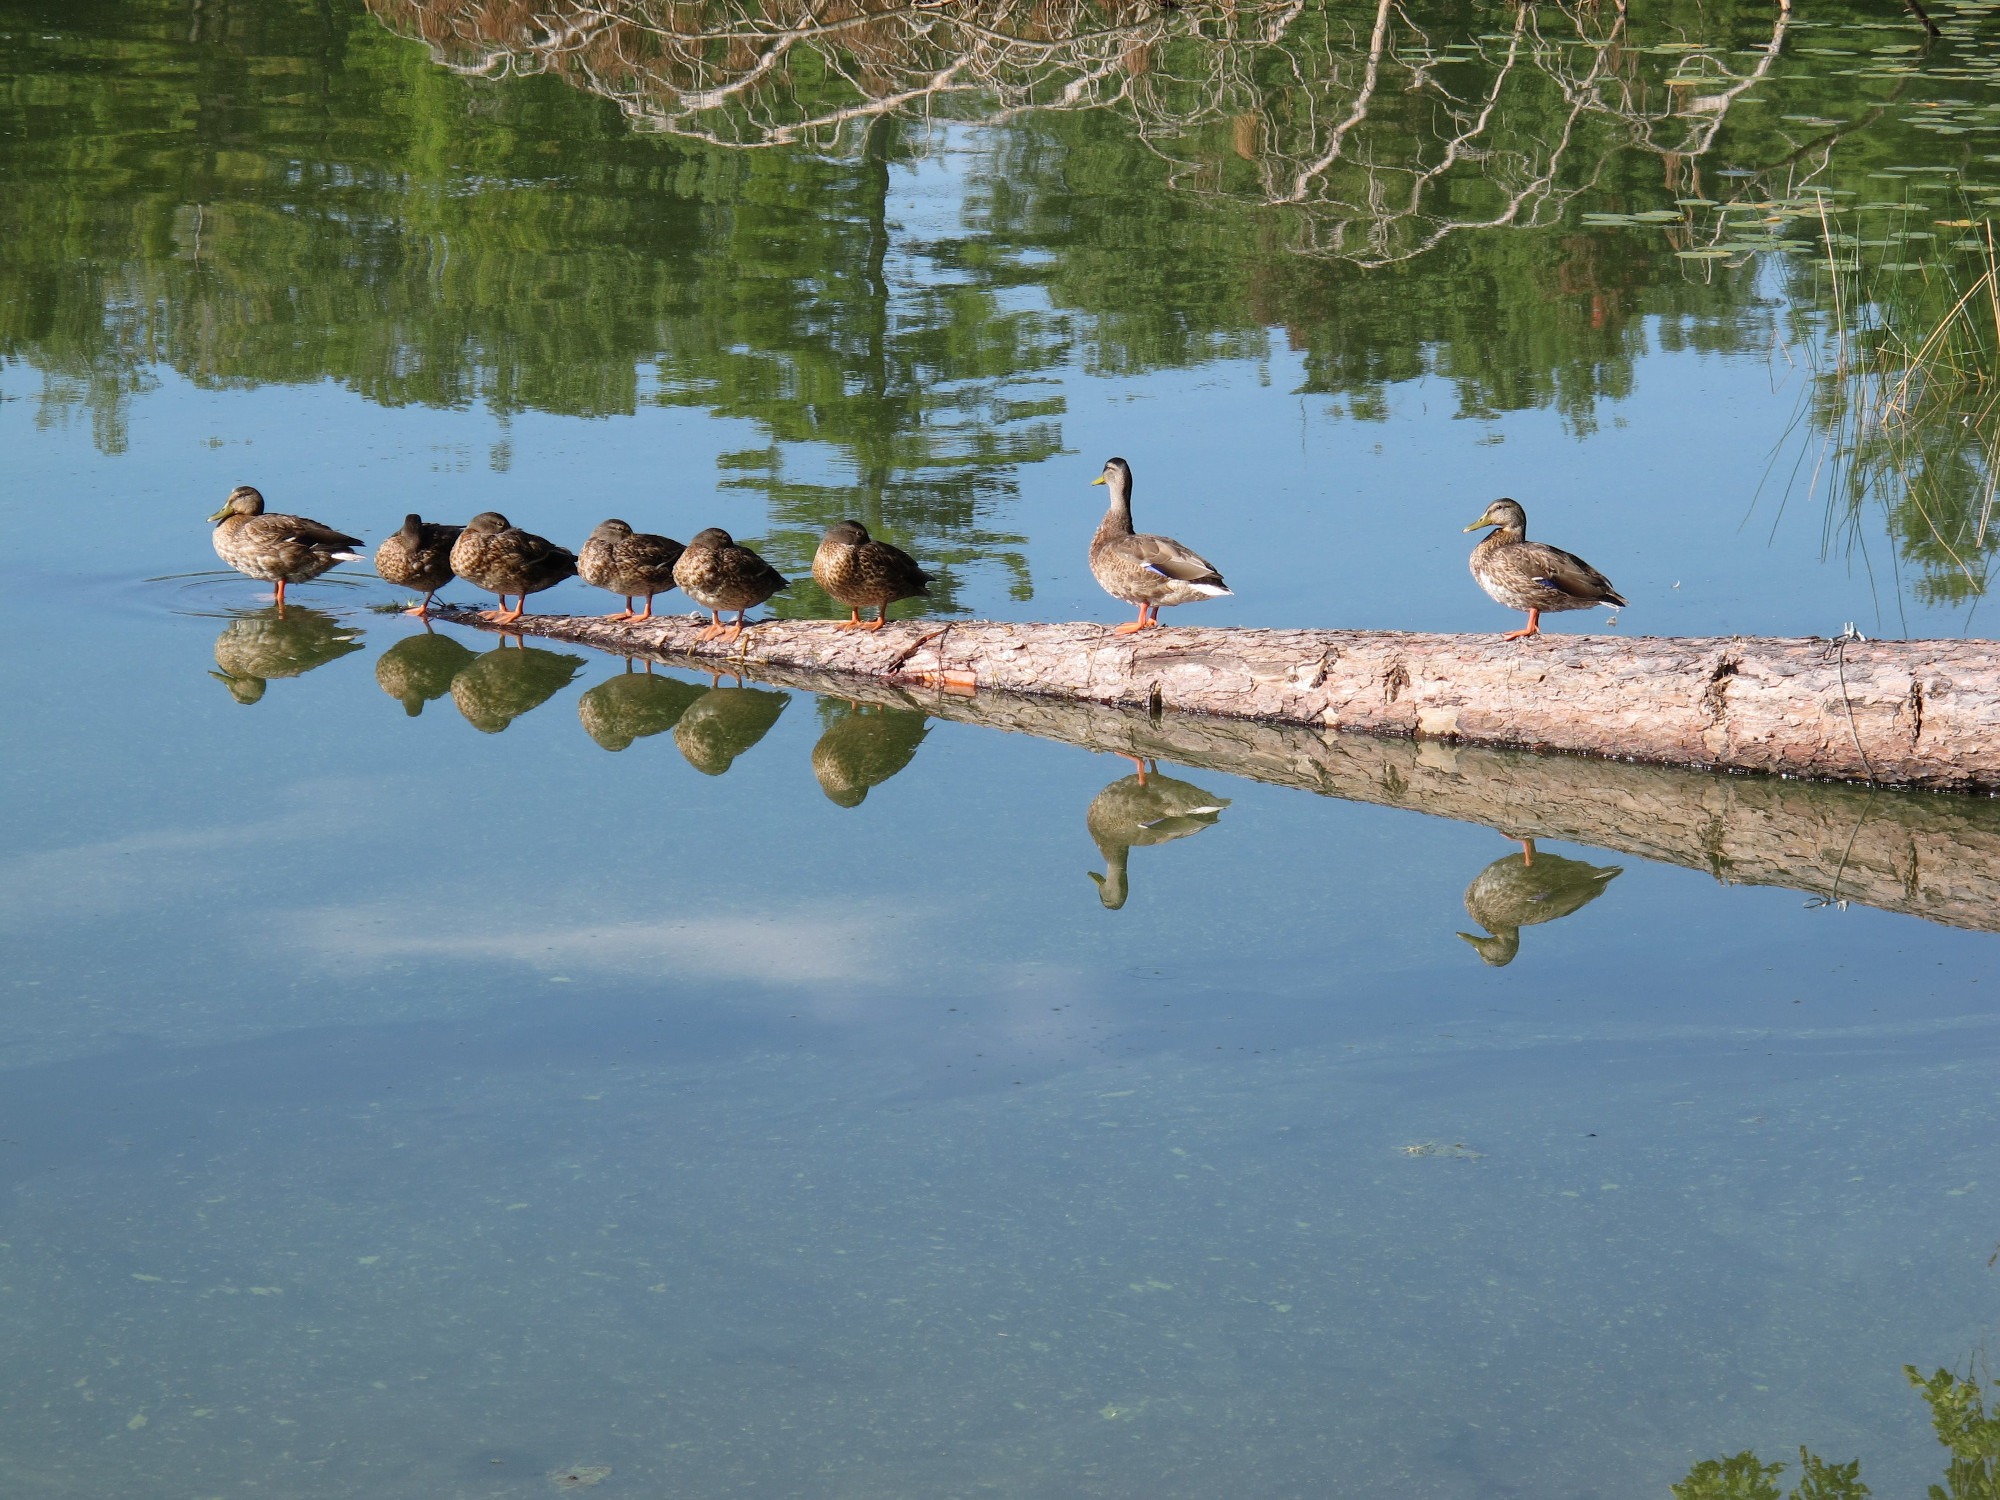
(718,574)
(499,686)
(268,643)
(419,669)
(633,705)
(1533,575)
(863,747)
(278,549)
(860,572)
(630,563)
(1149,571)
(1523,889)
(1143,809)
(503,559)
(418,557)
(724,722)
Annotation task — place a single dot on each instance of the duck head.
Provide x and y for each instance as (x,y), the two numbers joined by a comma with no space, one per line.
(242,501)
(1505,515)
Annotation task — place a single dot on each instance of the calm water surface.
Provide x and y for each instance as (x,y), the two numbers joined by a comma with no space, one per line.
(434,1067)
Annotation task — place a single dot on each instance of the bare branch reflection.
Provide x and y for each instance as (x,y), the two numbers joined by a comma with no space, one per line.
(1381,144)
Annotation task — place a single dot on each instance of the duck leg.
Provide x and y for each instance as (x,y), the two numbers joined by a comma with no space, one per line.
(714,629)
(1133,627)
(1533,627)
(1527,852)
(503,614)
(422,610)
(280,595)
(626,612)
(881,618)
(1139,766)
(853,620)
(649,609)
(737,629)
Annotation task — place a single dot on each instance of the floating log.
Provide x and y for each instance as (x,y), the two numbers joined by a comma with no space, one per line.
(1916,714)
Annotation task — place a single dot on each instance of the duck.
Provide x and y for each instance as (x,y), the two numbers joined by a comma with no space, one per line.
(632,705)
(419,669)
(630,563)
(1533,576)
(862,747)
(1139,810)
(718,574)
(495,555)
(1520,890)
(418,557)
(858,571)
(277,548)
(724,722)
(496,688)
(1149,571)
(263,644)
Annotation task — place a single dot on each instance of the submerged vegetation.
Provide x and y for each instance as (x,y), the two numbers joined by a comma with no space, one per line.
(1958,1414)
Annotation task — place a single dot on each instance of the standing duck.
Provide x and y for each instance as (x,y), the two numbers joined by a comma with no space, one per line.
(276,548)
(503,559)
(630,563)
(718,574)
(1533,575)
(860,572)
(1149,571)
(269,643)
(418,557)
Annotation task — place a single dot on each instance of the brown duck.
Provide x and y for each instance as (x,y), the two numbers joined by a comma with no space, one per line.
(418,557)
(503,559)
(862,573)
(1149,571)
(277,548)
(630,563)
(719,575)
(1533,575)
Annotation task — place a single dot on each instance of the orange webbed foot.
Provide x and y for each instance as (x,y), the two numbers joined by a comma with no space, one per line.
(873,625)
(1130,627)
(1516,635)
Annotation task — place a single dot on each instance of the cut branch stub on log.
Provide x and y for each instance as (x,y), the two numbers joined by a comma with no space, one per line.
(1918,714)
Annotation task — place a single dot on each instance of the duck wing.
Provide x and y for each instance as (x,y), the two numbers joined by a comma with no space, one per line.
(1168,558)
(297,531)
(1567,573)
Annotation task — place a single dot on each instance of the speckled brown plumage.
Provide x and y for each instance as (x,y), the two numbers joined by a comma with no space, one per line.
(418,557)
(629,563)
(719,575)
(862,573)
(277,548)
(503,559)
(1533,576)
(1150,571)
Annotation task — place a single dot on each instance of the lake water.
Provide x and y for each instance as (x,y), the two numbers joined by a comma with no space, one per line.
(440,1068)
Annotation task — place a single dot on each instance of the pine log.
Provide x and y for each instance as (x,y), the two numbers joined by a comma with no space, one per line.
(1914,714)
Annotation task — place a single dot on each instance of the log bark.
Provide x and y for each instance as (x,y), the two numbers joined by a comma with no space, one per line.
(1915,714)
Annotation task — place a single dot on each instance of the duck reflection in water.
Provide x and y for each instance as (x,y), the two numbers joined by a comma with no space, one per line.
(1141,809)
(862,747)
(496,688)
(724,722)
(1523,889)
(265,643)
(633,705)
(418,669)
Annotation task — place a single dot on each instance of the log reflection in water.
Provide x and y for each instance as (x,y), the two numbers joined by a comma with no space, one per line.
(862,746)
(419,669)
(1138,811)
(633,705)
(723,723)
(1931,856)
(259,645)
(498,687)
(1521,890)
(1383,142)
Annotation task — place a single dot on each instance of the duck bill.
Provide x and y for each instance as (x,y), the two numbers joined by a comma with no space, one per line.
(220,515)
(1481,524)
(1098,480)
